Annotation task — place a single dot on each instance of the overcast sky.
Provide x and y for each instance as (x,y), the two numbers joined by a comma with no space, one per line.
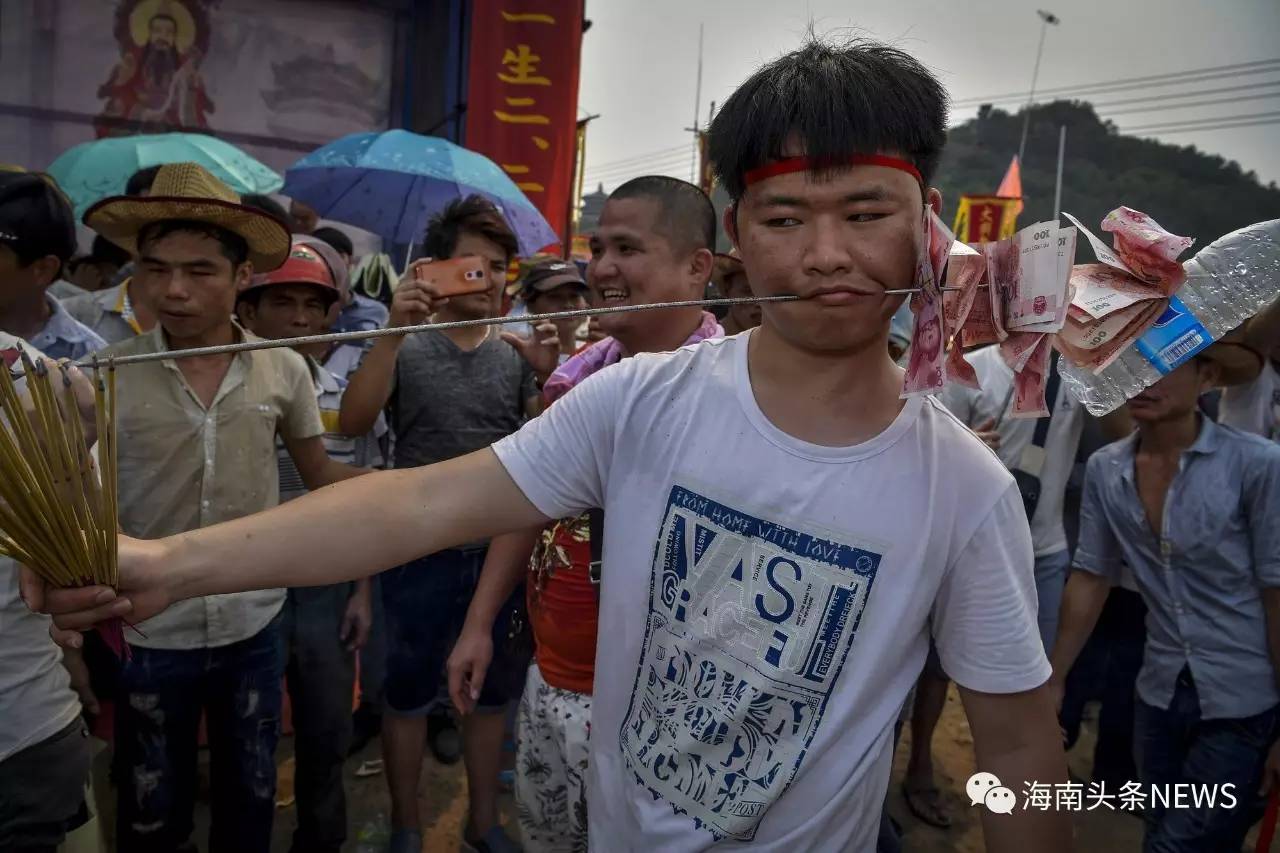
(639,64)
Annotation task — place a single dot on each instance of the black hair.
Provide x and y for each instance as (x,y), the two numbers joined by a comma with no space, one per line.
(141,180)
(270,206)
(36,219)
(104,250)
(163,16)
(340,242)
(833,100)
(474,214)
(687,217)
(233,246)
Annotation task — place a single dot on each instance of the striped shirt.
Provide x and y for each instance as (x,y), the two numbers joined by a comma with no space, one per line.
(358,451)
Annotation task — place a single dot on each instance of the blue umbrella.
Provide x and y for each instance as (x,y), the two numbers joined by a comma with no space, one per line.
(92,171)
(391,183)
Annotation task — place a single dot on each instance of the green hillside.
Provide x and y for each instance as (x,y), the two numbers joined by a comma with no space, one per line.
(1184,189)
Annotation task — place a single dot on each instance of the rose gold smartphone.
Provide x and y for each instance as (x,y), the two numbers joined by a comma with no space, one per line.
(454,277)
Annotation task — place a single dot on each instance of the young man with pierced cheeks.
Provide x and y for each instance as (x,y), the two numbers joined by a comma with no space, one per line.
(782,531)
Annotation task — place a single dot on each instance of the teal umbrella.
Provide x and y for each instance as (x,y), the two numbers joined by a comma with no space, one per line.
(95,170)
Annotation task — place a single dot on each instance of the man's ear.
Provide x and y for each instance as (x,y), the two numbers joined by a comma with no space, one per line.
(1210,374)
(934,199)
(731,224)
(247,313)
(46,269)
(701,265)
(242,275)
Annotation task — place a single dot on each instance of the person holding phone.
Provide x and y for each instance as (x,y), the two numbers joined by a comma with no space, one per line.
(450,392)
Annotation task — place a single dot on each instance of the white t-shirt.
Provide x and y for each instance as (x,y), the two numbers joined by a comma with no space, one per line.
(36,700)
(766,603)
(1254,407)
(995,402)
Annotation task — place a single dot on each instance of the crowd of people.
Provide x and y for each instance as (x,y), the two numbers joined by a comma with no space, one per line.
(715,560)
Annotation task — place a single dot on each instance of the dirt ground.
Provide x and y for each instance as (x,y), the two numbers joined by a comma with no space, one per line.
(444,801)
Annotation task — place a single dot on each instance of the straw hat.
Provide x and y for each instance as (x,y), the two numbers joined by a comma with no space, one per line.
(1237,361)
(187,191)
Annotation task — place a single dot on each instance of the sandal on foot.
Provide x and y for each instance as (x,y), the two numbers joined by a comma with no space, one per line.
(925,802)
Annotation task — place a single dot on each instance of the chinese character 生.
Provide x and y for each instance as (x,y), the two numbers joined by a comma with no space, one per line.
(522,63)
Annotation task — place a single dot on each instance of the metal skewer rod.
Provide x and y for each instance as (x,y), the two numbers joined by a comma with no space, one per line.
(337,337)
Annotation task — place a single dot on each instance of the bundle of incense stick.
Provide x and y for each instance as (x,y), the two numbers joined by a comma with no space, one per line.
(57,516)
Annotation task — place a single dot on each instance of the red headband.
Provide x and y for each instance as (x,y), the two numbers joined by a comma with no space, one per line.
(807,164)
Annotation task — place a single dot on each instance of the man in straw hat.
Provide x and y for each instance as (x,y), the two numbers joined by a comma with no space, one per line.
(1191,507)
(782,531)
(197,446)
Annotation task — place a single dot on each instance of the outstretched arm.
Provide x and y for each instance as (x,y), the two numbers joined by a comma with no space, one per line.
(339,533)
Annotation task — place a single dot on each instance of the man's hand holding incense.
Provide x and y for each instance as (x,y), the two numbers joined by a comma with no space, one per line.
(298,544)
(142,594)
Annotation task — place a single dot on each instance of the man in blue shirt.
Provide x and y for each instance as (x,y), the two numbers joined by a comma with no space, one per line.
(1191,507)
(37,237)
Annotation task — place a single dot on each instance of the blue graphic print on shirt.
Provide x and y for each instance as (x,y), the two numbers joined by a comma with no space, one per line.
(749,626)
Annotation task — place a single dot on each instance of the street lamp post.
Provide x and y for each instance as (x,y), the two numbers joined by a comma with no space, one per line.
(1046,18)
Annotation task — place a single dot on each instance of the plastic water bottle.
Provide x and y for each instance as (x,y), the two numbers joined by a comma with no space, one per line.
(1228,282)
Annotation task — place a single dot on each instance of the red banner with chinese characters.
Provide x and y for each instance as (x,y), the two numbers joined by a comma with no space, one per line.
(983,218)
(522,95)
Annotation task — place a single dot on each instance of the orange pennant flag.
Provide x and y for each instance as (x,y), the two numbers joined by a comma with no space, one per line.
(1011,186)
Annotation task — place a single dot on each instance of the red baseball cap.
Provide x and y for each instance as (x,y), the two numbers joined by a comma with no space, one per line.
(303,266)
